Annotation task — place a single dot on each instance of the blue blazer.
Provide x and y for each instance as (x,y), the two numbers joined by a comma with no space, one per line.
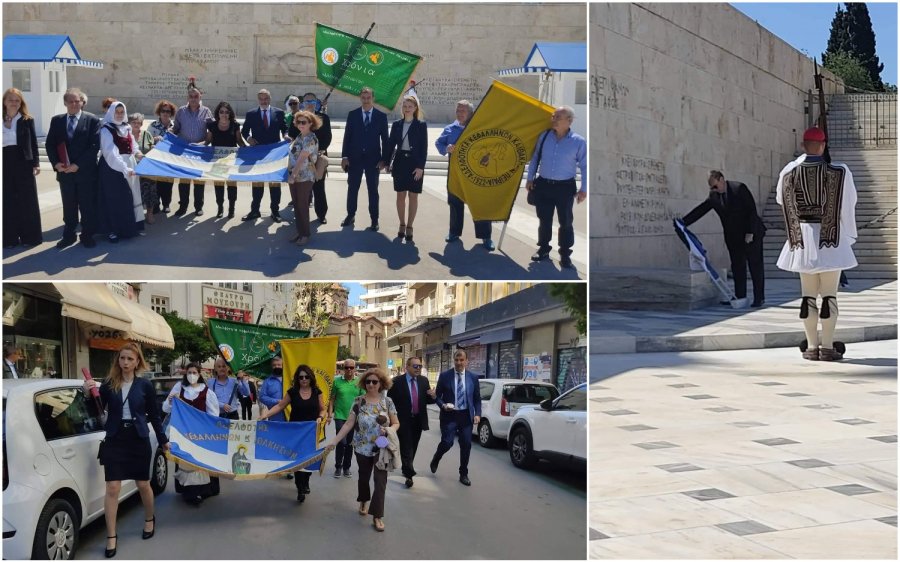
(83,148)
(142,401)
(253,126)
(418,141)
(364,146)
(445,393)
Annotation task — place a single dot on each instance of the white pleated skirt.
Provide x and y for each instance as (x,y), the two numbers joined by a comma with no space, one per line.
(812,259)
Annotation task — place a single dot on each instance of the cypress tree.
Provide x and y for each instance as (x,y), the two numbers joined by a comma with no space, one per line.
(852,37)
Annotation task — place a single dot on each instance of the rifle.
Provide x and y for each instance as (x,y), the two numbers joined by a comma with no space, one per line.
(821,122)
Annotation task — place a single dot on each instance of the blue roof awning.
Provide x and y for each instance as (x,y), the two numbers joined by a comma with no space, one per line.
(552,57)
(44,48)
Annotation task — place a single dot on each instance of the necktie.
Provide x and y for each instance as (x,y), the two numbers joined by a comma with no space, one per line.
(70,130)
(414,395)
(366,120)
(460,392)
(266,118)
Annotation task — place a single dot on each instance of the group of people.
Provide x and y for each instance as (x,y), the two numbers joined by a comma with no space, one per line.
(105,195)
(819,201)
(377,419)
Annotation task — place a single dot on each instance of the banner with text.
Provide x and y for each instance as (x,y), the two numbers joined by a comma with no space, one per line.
(250,347)
(320,354)
(173,157)
(487,165)
(241,449)
(347,63)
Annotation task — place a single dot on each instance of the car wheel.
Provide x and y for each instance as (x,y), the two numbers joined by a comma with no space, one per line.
(485,437)
(520,451)
(160,476)
(57,532)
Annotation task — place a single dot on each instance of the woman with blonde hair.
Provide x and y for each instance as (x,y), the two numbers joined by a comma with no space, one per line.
(372,415)
(408,144)
(21,163)
(302,165)
(130,402)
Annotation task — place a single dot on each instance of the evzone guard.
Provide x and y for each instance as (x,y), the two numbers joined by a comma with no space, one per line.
(819,204)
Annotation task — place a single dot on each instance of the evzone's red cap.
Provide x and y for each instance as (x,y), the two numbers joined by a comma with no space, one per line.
(814,134)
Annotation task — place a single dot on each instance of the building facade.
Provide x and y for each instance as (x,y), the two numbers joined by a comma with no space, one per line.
(384,301)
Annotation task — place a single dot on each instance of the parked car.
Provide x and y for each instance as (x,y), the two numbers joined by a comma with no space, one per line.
(53,484)
(555,430)
(163,385)
(501,400)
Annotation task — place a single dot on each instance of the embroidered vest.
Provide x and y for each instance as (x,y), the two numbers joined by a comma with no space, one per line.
(812,193)
(199,402)
(124,144)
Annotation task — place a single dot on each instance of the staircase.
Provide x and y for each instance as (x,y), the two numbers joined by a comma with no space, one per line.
(875,175)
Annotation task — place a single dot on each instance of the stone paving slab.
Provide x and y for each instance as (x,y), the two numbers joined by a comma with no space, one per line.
(868,312)
(751,473)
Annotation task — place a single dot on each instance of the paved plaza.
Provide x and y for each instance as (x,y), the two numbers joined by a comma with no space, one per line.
(744,455)
(868,311)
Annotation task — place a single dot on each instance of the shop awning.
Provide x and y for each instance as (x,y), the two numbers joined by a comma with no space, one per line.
(418,328)
(485,335)
(95,304)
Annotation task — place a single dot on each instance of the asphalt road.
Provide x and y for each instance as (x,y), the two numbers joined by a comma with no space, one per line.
(507,513)
(202,248)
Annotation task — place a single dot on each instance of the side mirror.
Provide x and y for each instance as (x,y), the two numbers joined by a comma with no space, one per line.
(547,404)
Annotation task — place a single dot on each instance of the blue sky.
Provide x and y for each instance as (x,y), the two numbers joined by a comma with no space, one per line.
(355,290)
(806,27)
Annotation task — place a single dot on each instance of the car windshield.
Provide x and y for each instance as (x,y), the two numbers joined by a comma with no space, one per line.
(529,393)
(165,386)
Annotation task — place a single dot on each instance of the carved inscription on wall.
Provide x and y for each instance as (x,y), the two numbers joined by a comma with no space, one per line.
(164,85)
(448,90)
(204,56)
(642,190)
(607,92)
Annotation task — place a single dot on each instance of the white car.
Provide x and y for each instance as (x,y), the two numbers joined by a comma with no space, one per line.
(555,430)
(501,400)
(53,484)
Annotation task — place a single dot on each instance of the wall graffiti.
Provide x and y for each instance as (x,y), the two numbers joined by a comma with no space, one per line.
(642,190)
(607,92)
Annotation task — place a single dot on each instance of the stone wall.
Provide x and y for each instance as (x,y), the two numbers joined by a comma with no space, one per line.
(675,91)
(149,49)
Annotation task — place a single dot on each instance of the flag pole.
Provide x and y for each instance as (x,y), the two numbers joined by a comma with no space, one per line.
(502,234)
(352,56)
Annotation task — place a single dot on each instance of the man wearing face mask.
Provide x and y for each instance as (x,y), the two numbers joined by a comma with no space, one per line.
(273,389)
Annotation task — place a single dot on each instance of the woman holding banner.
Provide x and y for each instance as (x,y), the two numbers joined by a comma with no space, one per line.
(224,131)
(130,402)
(408,144)
(364,418)
(192,390)
(165,110)
(307,404)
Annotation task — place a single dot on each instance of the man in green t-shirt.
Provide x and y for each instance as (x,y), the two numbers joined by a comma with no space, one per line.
(343,392)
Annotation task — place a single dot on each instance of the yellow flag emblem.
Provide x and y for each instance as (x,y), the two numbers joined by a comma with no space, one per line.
(320,354)
(487,165)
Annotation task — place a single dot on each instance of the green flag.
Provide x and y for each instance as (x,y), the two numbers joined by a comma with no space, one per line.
(347,63)
(249,347)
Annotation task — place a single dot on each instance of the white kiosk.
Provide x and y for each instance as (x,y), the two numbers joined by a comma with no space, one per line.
(36,65)
(563,72)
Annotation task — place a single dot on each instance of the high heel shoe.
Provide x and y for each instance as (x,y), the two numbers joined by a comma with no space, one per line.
(149,534)
(110,552)
(363,508)
(409,234)
(402,231)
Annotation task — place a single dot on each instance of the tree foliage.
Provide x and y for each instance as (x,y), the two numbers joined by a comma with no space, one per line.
(345,353)
(311,310)
(852,35)
(191,341)
(850,70)
(574,298)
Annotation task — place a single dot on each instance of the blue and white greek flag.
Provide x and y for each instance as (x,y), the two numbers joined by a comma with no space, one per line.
(173,157)
(698,252)
(243,450)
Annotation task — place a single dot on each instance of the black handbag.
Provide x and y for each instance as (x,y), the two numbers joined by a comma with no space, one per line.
(101,452)
(531,199)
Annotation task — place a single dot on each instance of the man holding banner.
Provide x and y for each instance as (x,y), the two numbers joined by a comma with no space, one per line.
(559,154)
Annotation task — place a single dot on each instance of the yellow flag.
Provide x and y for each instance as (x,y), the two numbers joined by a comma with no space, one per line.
(320,354)
(487,164)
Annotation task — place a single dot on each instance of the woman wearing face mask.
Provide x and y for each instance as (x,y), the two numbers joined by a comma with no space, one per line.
(120,192)
(193,390)
(307,404)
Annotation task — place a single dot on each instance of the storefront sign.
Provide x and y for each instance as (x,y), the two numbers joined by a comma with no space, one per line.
(99,337)
(227,304)
(537,367)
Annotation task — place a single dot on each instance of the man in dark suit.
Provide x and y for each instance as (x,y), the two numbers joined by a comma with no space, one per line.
(365,140)
(411,394)
(744,232)
(459,398)
(264,125)
(10,359)
(79,131)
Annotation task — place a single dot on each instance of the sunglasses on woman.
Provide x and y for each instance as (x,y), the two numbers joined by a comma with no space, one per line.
(303,122)
(302,377)
(372,381)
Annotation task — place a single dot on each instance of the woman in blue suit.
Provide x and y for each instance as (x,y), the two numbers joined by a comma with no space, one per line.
(130,402)
(408,144)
